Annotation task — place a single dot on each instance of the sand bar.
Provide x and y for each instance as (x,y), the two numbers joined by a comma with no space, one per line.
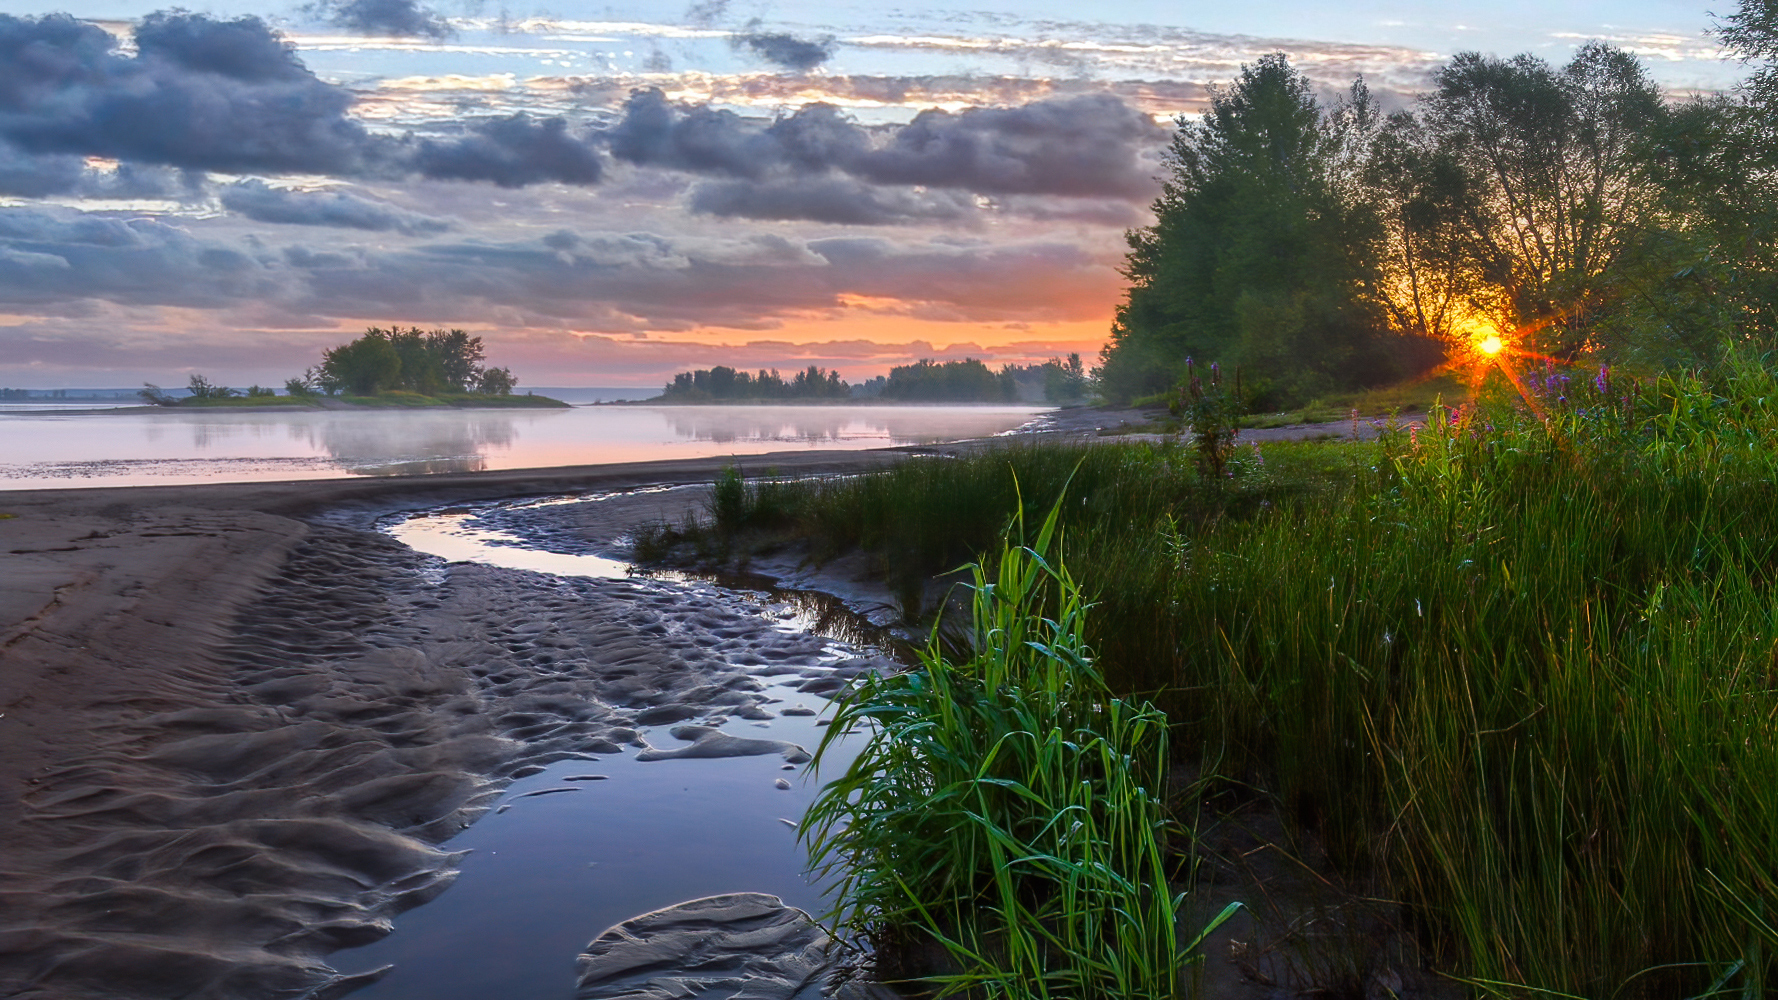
(235,725)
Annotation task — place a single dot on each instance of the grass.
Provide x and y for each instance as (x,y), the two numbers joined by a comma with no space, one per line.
(1414,396)
(1006,808)
(1519,667)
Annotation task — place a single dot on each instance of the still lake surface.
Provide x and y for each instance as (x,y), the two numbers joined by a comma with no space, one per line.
(45,448)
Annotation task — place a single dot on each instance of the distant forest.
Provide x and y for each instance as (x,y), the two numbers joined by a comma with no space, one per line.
(1574,211)
(926,381)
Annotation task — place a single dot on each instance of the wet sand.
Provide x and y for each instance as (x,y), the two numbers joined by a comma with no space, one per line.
(236,725)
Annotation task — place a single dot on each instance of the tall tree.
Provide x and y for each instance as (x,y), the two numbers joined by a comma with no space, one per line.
(1263,252)
(1553,196)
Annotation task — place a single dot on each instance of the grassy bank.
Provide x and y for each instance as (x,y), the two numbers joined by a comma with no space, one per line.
(1521,665)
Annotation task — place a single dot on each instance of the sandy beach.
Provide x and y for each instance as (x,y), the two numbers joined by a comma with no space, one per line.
(236,724)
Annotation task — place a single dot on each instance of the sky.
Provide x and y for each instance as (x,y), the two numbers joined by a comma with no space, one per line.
(608,193)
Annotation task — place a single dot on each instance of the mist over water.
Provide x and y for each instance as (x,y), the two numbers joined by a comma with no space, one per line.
(158,447)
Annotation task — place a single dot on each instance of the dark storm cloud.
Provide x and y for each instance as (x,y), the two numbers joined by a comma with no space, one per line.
(833,199)
(1092,145)
(198,93)
(1087,146)
(786,50)
(30,176)
(230,96)
(263,203)
(512,152)
(385,17)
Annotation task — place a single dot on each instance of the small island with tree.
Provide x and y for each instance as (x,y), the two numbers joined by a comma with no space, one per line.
(381,369)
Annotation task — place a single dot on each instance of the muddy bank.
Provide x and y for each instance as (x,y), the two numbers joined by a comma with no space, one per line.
(232,741)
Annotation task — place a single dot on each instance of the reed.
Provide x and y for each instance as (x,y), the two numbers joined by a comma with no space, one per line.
(1006,808)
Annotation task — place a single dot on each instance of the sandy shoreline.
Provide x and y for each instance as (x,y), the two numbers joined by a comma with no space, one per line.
(232,736)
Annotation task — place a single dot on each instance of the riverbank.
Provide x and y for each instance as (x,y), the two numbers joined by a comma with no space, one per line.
(236,726)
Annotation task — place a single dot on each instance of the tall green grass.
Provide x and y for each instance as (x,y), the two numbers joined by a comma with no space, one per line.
(1005,809)
(1521,665)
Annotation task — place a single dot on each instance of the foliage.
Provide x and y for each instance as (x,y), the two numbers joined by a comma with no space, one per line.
(1065,380)
(1546,182)
(199,387)
(496,382)
(723,382)
(1264,251)
(1006,806)
(154,395)
(1214,416)
(966,381)
(970,381)
(430,363)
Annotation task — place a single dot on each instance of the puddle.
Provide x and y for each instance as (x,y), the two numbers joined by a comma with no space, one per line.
(545,873)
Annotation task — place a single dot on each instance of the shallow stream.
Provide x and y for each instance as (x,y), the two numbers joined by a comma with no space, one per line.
(585,844)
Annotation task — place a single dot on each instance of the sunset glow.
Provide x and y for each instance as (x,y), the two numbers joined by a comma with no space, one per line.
(1490,345)
(610,193)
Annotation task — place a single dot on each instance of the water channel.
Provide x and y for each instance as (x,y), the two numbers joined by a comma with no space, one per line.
(585,844)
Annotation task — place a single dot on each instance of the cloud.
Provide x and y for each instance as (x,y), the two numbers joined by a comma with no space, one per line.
(605,281)
(512,152)
(704,13)
(128,262)
(228,96)
(28,176)
(198,93)
(1083,146)
(786,50)
(404,18)
(1092,145)
(263,203)
(832,199)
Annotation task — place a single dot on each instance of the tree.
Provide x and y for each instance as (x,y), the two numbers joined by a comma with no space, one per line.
(1064,381)
(363,367)
(497,382)
(1550,196)
(1264,251)
(200,388)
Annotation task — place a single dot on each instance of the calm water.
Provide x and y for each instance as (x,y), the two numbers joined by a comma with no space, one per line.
(545,876)
(136,447)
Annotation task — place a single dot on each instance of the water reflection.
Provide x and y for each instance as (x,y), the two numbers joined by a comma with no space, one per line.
(816,425)
(136,447)
(434,443)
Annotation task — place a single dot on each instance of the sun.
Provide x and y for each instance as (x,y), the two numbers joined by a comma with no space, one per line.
(1490,345)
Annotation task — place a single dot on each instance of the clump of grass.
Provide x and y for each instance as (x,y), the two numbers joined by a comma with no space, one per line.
(1005,807)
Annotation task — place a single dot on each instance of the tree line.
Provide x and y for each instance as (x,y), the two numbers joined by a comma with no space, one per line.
(966,381)
(723,382)
(1574,211)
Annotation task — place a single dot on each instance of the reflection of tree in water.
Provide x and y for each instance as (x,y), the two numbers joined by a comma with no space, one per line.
(397,444)
(818,424)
